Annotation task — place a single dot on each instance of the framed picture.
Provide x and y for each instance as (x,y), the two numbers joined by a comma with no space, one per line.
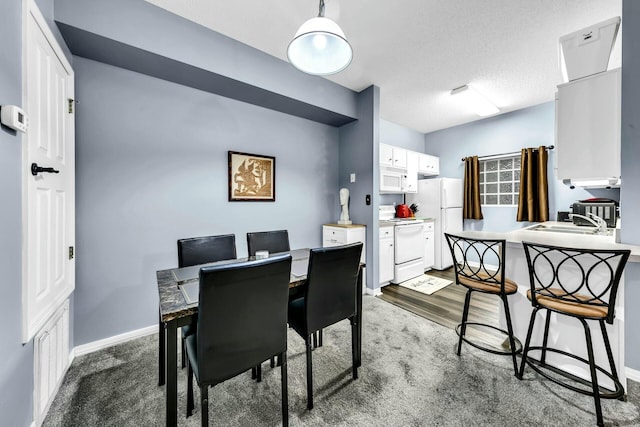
(252,177)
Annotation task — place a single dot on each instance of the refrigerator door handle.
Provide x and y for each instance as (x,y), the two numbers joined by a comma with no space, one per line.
(445,203)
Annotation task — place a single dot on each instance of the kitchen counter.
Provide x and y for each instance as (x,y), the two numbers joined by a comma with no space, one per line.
(583,241)
(568,334)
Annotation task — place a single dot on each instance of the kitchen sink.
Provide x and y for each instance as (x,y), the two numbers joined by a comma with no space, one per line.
(570,229)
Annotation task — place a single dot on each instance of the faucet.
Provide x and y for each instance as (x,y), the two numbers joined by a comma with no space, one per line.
(599,223)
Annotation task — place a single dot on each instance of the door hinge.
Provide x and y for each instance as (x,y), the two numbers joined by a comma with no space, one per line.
(71,101)
(71,253)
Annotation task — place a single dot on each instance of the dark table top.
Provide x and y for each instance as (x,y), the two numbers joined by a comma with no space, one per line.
(172,302)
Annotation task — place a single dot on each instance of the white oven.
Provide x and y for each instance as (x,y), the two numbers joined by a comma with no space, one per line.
(409,250)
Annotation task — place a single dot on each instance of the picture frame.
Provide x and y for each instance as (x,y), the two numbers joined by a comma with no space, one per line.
(252,177)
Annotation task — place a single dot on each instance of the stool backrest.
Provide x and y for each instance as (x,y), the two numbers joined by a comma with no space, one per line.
(480,260)
(578,276)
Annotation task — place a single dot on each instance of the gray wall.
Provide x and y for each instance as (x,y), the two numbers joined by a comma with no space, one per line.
(630,192)
(358,154)
(529,127)
(152,167)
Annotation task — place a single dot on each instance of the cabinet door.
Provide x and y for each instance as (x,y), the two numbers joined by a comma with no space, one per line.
(429,250)
(386,260)
(428,164)
(386,155)
(399,158)
(411,183)
(588,114)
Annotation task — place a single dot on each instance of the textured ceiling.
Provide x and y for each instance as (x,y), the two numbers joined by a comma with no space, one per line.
(416,51)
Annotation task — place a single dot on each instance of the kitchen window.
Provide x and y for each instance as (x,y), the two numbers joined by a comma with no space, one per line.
(500,181)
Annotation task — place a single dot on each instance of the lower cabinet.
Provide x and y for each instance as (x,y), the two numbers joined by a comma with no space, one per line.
(342,234)
(385,259)
(429,246)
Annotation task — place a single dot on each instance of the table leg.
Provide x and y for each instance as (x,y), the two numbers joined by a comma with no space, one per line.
(161,350)
(359,316)
(171,389)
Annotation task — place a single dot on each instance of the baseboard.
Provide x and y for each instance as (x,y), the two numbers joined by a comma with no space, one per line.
(114,340)
(375,292)
(632,374)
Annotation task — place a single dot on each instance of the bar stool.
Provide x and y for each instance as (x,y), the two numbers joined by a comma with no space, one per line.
(479,267)
(579,283)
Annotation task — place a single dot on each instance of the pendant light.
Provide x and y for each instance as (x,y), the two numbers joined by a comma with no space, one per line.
(320,47)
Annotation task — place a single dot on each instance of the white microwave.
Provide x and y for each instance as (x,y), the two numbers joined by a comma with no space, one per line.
(392,181)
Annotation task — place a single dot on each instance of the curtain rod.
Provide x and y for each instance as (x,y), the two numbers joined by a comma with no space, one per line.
(492,156)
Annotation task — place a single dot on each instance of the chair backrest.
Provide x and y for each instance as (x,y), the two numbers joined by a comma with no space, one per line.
(272,241)
(480,260)
(583,276)
(202,250)
(332,279)
(242,316)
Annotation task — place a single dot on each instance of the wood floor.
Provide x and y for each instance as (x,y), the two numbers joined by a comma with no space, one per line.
(444,306)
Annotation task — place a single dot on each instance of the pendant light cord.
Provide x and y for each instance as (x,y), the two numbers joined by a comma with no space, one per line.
(321,9)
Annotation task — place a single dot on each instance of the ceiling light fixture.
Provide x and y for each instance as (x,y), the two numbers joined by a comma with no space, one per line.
(320,46)
(481,105)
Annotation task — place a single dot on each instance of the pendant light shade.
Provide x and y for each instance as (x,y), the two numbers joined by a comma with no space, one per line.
(320,47)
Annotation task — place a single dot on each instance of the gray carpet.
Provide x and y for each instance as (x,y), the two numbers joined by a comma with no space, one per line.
(410,376)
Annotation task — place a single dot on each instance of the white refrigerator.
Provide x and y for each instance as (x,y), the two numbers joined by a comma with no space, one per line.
(440,199)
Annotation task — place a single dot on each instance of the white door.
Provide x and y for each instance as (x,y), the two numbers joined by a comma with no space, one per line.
(48,198)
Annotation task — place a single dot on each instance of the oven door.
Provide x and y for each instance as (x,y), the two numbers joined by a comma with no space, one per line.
(409,239)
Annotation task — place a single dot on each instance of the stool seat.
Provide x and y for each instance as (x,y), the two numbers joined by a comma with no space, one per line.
(548,298)
(510,287)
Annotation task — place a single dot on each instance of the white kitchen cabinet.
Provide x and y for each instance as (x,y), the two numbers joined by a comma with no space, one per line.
(342,234)
(428,164)
(385,259)
(429,246)
(588,127)
(410,184)
(394,157)
(386,155)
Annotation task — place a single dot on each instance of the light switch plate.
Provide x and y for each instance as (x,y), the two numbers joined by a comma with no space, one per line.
(353,177)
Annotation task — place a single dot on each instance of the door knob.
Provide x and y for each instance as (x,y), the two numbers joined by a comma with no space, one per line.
(35,169)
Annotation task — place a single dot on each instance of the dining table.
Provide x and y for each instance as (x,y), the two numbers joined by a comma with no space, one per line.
(178,293)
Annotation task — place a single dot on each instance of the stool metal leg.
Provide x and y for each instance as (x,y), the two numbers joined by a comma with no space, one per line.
(594,375)
(545,338)
(532,321)
(607,346)
(463,324)
(512,342)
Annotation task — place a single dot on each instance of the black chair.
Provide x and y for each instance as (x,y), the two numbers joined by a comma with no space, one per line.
(480,267)
(203,250)
(272,241)
(242,320)
(329,297)
(579,283)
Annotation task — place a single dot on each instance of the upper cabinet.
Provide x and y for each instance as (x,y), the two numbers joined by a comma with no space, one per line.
(394,157)
(399,169)
(428,164)
(588,128)
(411,182)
